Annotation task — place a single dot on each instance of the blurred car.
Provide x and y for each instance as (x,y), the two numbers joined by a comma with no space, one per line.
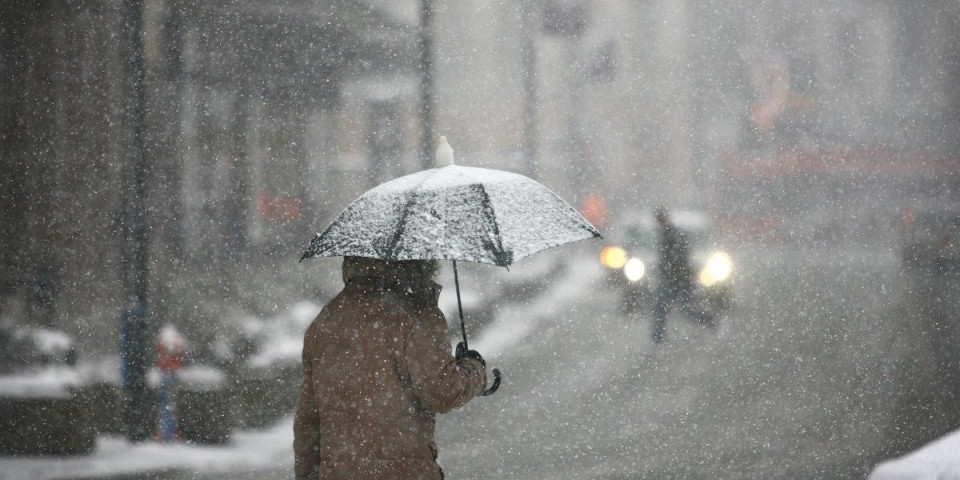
(630,258)
(931,240)
(42,407)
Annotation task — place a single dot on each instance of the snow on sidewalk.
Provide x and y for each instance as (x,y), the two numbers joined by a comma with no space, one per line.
(249,450)
(938,460)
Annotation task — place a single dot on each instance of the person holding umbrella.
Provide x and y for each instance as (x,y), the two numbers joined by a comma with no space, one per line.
(377,362)
(377,368)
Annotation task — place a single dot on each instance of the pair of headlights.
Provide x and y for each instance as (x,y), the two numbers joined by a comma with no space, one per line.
(616,258)
(718,268)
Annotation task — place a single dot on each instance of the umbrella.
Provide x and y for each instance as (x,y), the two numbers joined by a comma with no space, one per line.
(453,213)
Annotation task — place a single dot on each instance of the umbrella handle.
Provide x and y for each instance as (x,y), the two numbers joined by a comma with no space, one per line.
(496,384)
(463,329)
(456,281)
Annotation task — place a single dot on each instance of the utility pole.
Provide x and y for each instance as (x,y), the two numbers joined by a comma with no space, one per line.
(134,341)
(676,104)
(426,83)
(528,57)
(569,20)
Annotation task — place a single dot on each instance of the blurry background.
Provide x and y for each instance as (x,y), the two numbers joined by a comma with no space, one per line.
(263,119)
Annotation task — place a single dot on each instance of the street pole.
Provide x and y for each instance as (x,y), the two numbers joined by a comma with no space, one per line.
(576,163)
(676,107)
(426,83)
(568,20)
(134,332)
(528,58)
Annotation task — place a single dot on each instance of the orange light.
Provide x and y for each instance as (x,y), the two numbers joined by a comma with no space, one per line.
(613,257)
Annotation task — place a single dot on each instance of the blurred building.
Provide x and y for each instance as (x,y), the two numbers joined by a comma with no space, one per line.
(264,118)
(246,106)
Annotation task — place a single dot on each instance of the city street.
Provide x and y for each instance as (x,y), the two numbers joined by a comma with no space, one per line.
(819,373)
(804,380)
(187,184)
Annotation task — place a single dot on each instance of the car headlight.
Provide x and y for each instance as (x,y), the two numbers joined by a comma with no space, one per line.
(613,257)
(634,269)
(718,269)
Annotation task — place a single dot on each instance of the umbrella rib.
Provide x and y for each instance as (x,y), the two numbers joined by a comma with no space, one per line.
(312,249)
(402,224)
(491,215)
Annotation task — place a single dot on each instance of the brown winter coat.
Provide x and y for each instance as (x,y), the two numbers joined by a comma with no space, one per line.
(377,369)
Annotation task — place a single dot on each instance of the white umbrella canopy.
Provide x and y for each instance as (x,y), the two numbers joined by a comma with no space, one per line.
(453,213)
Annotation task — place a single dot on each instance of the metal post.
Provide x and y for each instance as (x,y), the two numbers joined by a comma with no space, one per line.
(426,83)
(134,331)
(528,57)
(675,110)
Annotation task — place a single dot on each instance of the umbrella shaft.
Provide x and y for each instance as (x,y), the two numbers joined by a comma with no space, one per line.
(456,282)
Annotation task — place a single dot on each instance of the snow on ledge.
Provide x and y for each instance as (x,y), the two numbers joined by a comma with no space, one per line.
(47,382)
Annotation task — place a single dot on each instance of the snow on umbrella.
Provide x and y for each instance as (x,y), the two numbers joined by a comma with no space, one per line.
(453,213)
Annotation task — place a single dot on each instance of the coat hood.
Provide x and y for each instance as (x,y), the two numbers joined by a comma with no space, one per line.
(389,272)
(412,276)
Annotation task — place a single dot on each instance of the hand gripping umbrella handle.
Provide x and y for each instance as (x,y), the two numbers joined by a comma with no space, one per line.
(496,384)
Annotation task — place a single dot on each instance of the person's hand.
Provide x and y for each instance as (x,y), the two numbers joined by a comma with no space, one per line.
(463,352)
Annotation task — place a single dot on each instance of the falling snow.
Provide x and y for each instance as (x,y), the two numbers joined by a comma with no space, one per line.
(166,164)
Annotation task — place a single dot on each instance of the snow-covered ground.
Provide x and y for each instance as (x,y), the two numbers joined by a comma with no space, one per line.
(248,451)
(270,449)
(938,460)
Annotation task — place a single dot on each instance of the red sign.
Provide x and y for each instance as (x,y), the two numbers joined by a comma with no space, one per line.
(278,208)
